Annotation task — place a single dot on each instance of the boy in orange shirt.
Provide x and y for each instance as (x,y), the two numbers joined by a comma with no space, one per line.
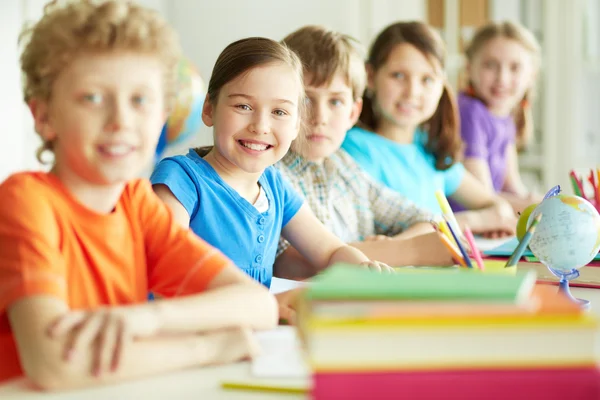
(82,245)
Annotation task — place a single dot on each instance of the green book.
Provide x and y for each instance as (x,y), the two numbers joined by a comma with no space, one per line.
(347,282)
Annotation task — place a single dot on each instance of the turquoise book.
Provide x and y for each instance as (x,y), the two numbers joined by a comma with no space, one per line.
(349,282)
(507,248)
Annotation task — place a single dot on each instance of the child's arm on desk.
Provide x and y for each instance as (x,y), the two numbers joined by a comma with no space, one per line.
(290,264)
(318,245)
(487,213)
(62,349)
(231,299)
(514,190)
(424,249)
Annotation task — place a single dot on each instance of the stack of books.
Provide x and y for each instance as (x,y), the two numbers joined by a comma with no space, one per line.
(445,334)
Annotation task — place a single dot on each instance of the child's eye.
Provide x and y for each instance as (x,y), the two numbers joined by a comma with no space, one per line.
(336,102)
(428,80)
(93,98)
(399,75)
(490,64)
(280,113)
(244,107)
(515,67)
(140,100)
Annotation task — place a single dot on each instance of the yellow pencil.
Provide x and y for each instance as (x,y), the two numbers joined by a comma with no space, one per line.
(259,387)
(447,211)
(446,231)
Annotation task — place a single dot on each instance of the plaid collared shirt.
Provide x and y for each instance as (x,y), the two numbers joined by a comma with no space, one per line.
(348,201)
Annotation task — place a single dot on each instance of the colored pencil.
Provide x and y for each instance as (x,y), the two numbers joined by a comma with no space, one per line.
(443,225)
(474,250)
(447,212)
(454,252)
(577,186)
(460,247)
(260,387)
(594,181)
(518,253)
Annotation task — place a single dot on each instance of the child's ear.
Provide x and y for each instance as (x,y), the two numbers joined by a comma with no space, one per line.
(370,76)
(207,112)
(468,69)
(41,118)
(356,110)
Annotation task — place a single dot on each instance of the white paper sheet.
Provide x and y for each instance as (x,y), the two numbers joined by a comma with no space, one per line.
(279,285)
(281,355)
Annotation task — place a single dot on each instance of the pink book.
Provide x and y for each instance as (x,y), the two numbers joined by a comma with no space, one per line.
(546,384)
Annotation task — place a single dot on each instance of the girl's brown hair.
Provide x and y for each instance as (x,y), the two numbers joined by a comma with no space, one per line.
(513,31)
(242,56)
(442,128)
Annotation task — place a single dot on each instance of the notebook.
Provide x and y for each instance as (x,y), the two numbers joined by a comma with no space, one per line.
(507,248)
(343,281)
(280,367)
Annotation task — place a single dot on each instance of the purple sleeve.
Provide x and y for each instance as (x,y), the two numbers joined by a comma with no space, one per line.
(473,129)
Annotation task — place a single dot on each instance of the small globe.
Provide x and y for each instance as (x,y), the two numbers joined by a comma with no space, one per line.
(185,118)
(568,235)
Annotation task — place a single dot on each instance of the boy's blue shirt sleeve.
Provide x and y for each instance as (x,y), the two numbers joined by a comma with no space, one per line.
(172,173)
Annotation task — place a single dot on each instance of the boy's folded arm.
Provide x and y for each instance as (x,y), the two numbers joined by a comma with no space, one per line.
(418,229)
(43,361)
(426,249)
(232,298)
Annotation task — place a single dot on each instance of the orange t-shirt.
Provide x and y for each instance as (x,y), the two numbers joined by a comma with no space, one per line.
(50,244)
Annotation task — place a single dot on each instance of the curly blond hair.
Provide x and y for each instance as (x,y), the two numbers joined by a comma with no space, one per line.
(71,27)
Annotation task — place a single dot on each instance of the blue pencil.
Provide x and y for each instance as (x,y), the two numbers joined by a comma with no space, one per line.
(460,245)
(518,253)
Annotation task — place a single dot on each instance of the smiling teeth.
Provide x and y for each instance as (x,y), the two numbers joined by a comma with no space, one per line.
(254,146)
(117,150)
(405,105)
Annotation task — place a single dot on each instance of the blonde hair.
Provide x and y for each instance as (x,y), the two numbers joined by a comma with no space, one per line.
(324,53)
(513,31)
(69,28)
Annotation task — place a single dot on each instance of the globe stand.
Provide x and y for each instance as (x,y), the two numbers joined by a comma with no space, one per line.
(563,287)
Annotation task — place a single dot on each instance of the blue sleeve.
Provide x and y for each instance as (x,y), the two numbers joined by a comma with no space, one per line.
(361,151)
(173,174)
(292,201)
(453,177)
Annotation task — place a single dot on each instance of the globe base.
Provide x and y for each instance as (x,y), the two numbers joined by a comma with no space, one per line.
(563,287)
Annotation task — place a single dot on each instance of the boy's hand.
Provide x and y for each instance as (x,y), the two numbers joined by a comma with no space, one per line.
(500,222)
(106,331)
(233,344)
(377,266)
(287,305)
(375,238)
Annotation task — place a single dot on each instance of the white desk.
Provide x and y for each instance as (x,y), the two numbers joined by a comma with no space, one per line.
(197,384)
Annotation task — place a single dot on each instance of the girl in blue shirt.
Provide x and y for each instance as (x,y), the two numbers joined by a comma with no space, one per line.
(229,194)
(408,133)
